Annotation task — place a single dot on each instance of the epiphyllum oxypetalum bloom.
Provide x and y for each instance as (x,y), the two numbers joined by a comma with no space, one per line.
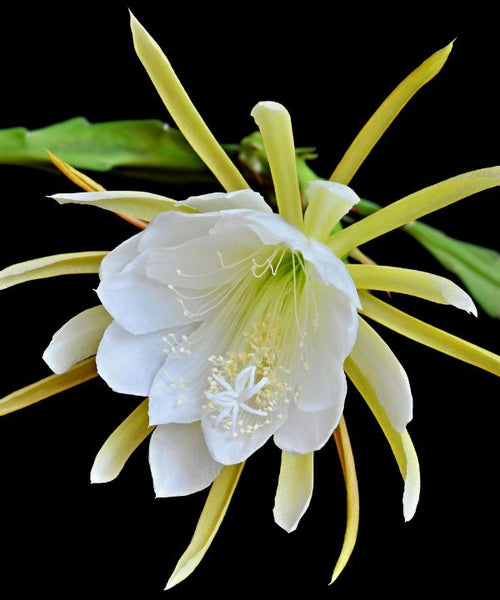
(233,319)
(238,319)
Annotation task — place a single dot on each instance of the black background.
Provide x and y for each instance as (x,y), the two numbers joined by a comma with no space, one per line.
(331,67)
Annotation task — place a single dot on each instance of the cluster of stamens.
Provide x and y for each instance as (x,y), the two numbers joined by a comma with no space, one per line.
(244,388)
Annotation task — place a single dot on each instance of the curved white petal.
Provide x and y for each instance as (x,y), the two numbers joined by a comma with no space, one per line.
(78,339)
(115,261)
(305,432)
(272,229)
(176,394)
(172,229)
(140,304)
(373,357)
(180,461)
(295,489)
(221,201)
(128,363)
(205,262)
(327,345)
(229,449)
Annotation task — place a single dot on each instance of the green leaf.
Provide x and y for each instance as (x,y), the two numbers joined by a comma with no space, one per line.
(147,148)
(476,266)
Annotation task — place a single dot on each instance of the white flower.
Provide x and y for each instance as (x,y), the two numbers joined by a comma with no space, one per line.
(237,326)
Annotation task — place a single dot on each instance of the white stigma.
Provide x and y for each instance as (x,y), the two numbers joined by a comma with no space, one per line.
(234,398)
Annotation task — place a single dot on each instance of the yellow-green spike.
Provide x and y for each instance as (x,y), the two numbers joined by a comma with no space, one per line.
(183,111)
(276,128)
(385,115)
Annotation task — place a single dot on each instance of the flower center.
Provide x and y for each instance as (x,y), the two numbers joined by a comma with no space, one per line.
(245,389)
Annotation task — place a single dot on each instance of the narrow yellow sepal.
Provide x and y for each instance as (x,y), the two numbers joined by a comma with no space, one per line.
(409,281)
(295,488)
(183,111)
(45,388)
(73,263)
(351,483)
(118,448)
(276,128)
(80,179)
(385,115)
(87,184)
(413,207)
(210,520)
(428,335)
(400,442)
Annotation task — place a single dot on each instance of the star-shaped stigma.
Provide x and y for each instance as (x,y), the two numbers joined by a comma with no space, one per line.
(233,398)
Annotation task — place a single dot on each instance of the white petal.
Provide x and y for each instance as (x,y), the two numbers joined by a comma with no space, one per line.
(180,462)
(229,449)
(329,271)
(323,383)
(176,395)
(305,432)
(207,261)
(373,357)
(295,488)
(139,304)
(272,229)
(128,363)
(171,229)
(76,340)
(121,256)
(221,201)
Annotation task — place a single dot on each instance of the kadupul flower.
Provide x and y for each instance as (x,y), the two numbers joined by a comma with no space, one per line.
(237,324)
(233,320)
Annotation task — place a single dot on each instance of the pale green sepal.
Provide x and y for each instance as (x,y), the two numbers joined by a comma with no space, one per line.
(120,445)
(295,488)
(275,126)
(413,207)
(411,492)
(352,497)
(74,263)
(400,442)
(183,111)
(247,199)
(428,335)
(210,520)
(476,266)
(375,359)
(45,388)
(409,281)
(77,339)
(328,202)
(138,205)
(386,113)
